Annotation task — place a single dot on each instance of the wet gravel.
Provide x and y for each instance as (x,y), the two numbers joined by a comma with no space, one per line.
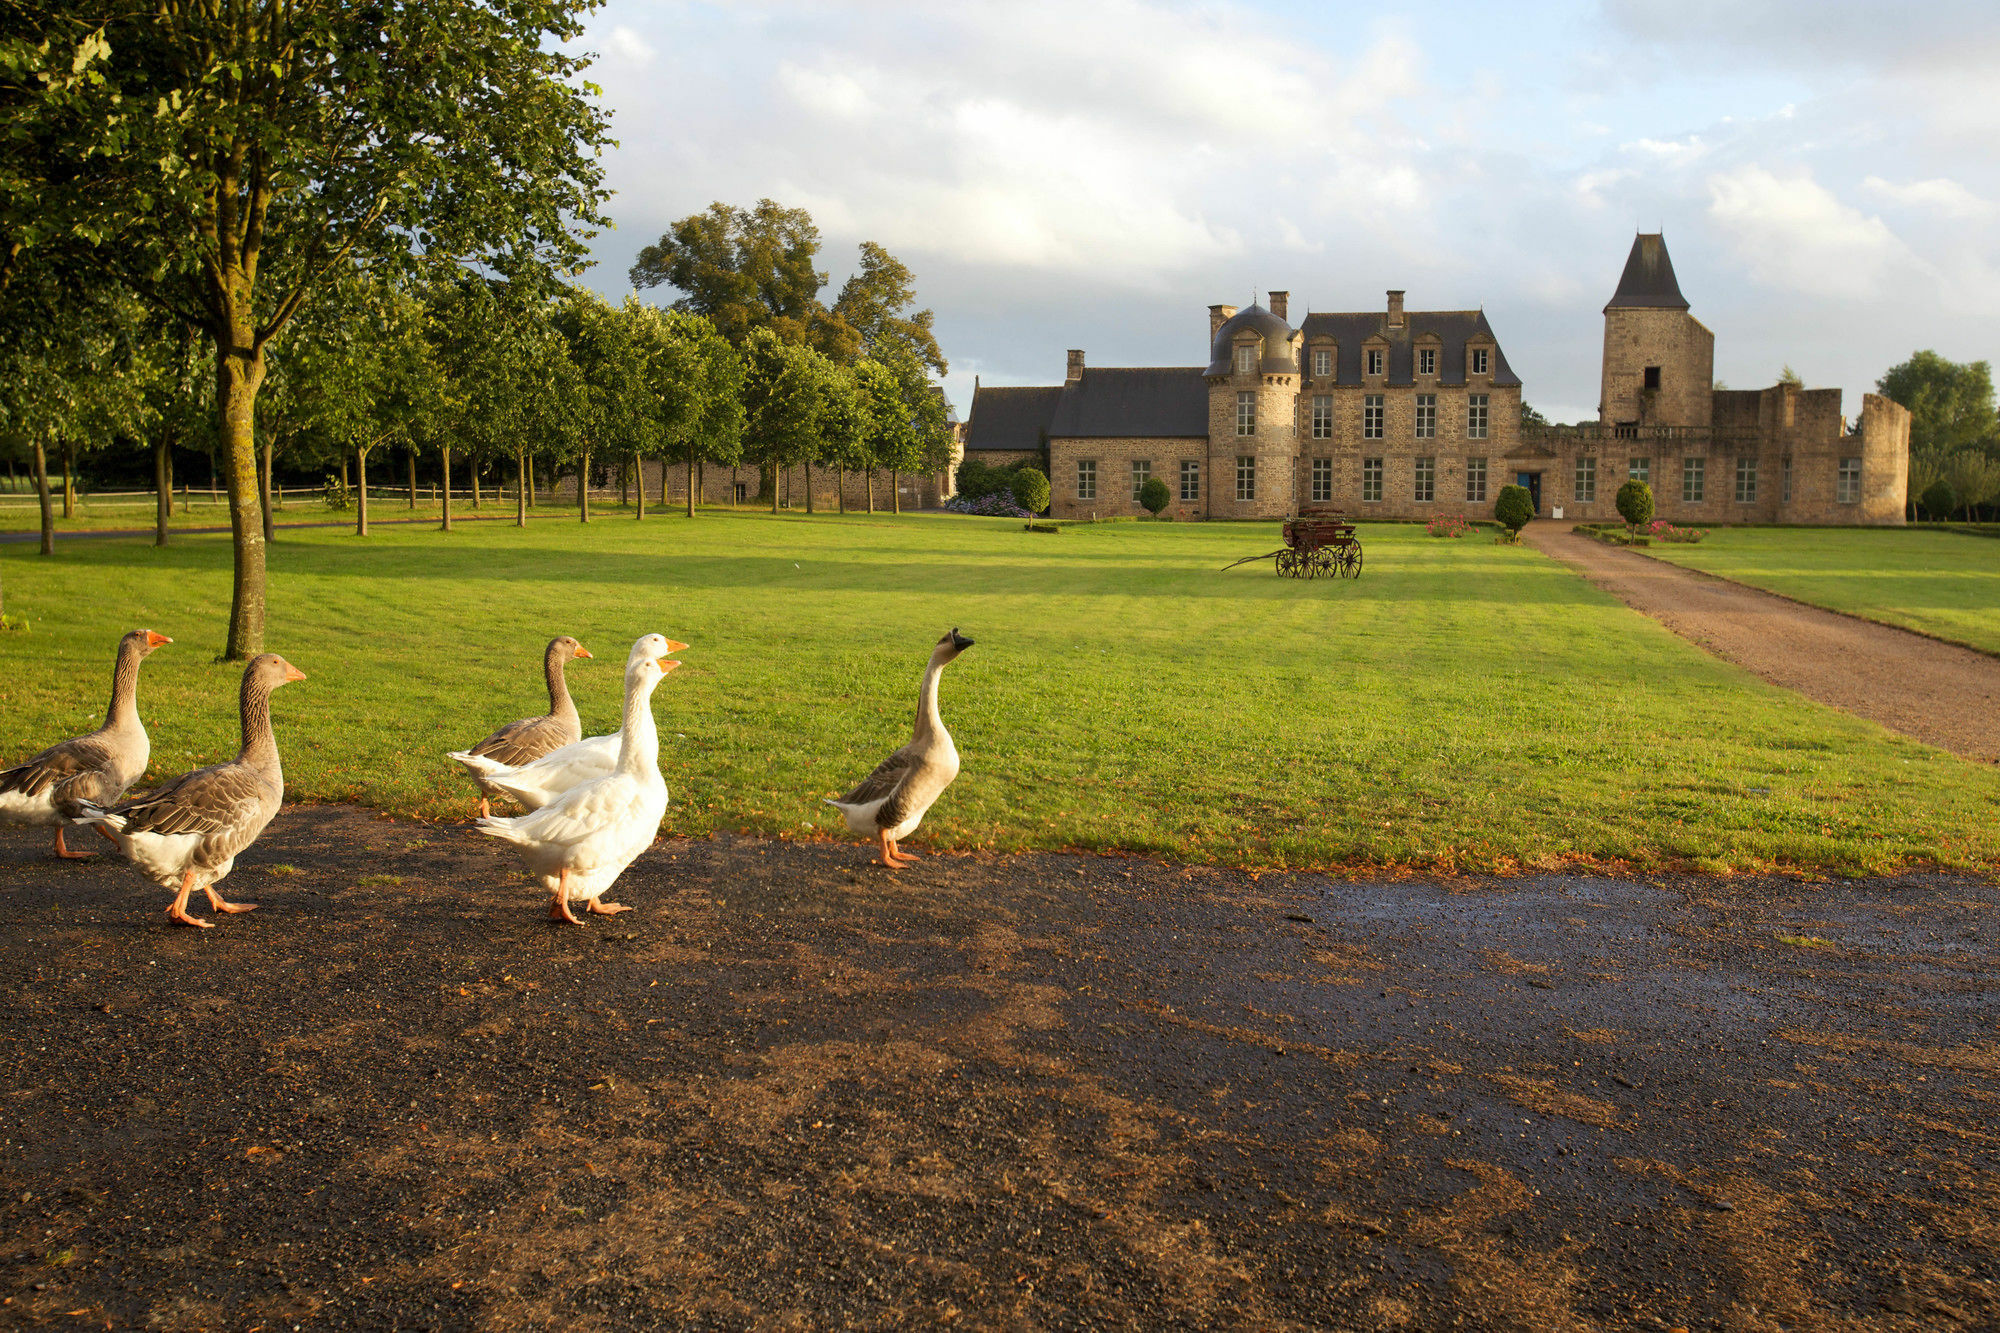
(795,1091)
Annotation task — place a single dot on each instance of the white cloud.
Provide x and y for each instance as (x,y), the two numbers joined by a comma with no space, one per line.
(631,46)
(1939,195)
(1792,232)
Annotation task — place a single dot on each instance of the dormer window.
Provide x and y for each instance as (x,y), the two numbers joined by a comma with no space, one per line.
(1374,361)
(1246,358)
(1427,360)
(1479,361)
(1322,363)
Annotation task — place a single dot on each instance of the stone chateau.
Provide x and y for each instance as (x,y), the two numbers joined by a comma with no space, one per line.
(1405,414)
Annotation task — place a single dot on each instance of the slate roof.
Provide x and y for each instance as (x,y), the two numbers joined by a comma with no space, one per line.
(1014,418)
(1277,335)
(1134,401)
(1648,281)
(1351,329)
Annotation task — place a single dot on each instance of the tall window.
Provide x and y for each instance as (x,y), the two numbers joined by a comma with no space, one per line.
(1847,487)
(1640,469)
(1323,416)
(1475,415)
(1371,417)
(1374,361)
(1371,479)
(1586,480)
(1322,363)
(1322,480)
(1424,488)
(1746,480)
(1427,360)
(1246,477)
(1246,414)
(1693,475)
(1788,478)
(1086,479)
(1246,358)
(1190,479)
(1142,472)
(1479,360)
(1427,416)
(1475,481)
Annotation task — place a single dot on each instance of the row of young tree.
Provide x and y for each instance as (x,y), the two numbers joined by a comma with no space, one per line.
(1954,433)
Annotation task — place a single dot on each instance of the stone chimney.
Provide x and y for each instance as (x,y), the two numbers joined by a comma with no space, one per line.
(1280,300)
(1218,315)
(1075,366)
(1395,308)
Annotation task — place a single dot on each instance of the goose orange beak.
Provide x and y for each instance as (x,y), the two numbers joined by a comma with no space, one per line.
(676,646)
(582,651)
(155,640)
(666,666)
(293,673)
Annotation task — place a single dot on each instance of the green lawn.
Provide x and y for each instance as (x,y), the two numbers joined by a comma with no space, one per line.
(1464,705)
(1945,584)
(200,509)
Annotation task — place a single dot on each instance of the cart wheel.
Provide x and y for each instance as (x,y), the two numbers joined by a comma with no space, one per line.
(1354,563)
(1287,565)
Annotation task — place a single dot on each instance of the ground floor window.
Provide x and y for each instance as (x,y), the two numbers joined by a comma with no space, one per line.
(1190,479)
(1746,481)
(1371,479)
(1639,469)
(1475,481)
(1848,488)
(1142,472)
(1322,490)
(1693,474)
(1424,481)
(1246,477)
(1586,481)
(1086,478)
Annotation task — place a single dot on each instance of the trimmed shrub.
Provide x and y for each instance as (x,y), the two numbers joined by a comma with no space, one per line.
(1154,496)
(1635,504)
(1514,508)
(989,506)
(1031,490)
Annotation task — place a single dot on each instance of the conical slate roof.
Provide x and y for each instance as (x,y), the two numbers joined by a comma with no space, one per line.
(1648,281)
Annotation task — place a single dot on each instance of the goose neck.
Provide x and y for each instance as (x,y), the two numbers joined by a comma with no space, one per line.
(929,723)
(260,746)
(124,708)
(560,704)
(639,737)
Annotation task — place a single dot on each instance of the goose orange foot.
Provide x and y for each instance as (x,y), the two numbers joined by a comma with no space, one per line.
(559,901)
(215,901)
(607,909)
(485,808)
(66,854)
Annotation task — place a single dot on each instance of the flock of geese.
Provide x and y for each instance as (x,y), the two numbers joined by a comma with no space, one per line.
(592,805)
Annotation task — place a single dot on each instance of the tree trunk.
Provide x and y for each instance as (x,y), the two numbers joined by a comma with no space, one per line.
(690,494)
(624,485)
(69,480)
(361,492)
(666,475)
(413,476)
(48,504)
(774,488)
(809,486)
(473,467)
(163,490)
(871,490)
(444,524)
(520,488)
(343,472)
(895,491)
(264,489)
(840,484)
(528,480)
(639,483)
(239,373)
(583,489)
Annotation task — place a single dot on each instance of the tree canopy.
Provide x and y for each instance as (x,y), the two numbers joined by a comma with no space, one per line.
(1950,402)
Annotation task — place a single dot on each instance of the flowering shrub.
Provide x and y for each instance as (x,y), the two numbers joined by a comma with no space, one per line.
(997,505)
(1662,531)
(1448,525)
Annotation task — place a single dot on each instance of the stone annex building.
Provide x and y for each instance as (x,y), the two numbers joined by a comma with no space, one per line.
(1405,414)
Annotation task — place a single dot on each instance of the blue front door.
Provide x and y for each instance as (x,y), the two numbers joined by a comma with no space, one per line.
(1532,481)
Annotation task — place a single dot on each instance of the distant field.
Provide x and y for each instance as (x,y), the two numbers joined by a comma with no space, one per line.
(1464,705)
(1945,584)
(200,509)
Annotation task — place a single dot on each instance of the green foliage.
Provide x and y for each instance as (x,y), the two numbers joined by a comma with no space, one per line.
(1635,503)
(785,391)
(1787,375)
(1531,419)
(1030,489)
(1950,402)
(875,303)
(1154,496)
(1936,499)
(1513,508)
(976,479)
(1973,477)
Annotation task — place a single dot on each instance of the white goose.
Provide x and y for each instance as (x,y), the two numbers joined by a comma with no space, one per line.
(53,787)
(890,802)
(581,841)
(534,785)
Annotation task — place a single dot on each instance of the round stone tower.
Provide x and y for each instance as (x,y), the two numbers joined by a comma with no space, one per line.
(1253,393)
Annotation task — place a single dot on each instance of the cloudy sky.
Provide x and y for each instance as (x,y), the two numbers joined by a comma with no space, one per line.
(1085,174)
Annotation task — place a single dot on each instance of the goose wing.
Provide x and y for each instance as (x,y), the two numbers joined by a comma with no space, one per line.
(890,774)
(71,758)
(224,805)
(525,741)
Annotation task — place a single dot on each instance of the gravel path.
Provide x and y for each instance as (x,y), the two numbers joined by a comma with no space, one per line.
(1940,693)
(794,1091)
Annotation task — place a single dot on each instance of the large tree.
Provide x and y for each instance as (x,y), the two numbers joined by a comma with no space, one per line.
(224,160)
(744,268)
(1950,402)
(875,303)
